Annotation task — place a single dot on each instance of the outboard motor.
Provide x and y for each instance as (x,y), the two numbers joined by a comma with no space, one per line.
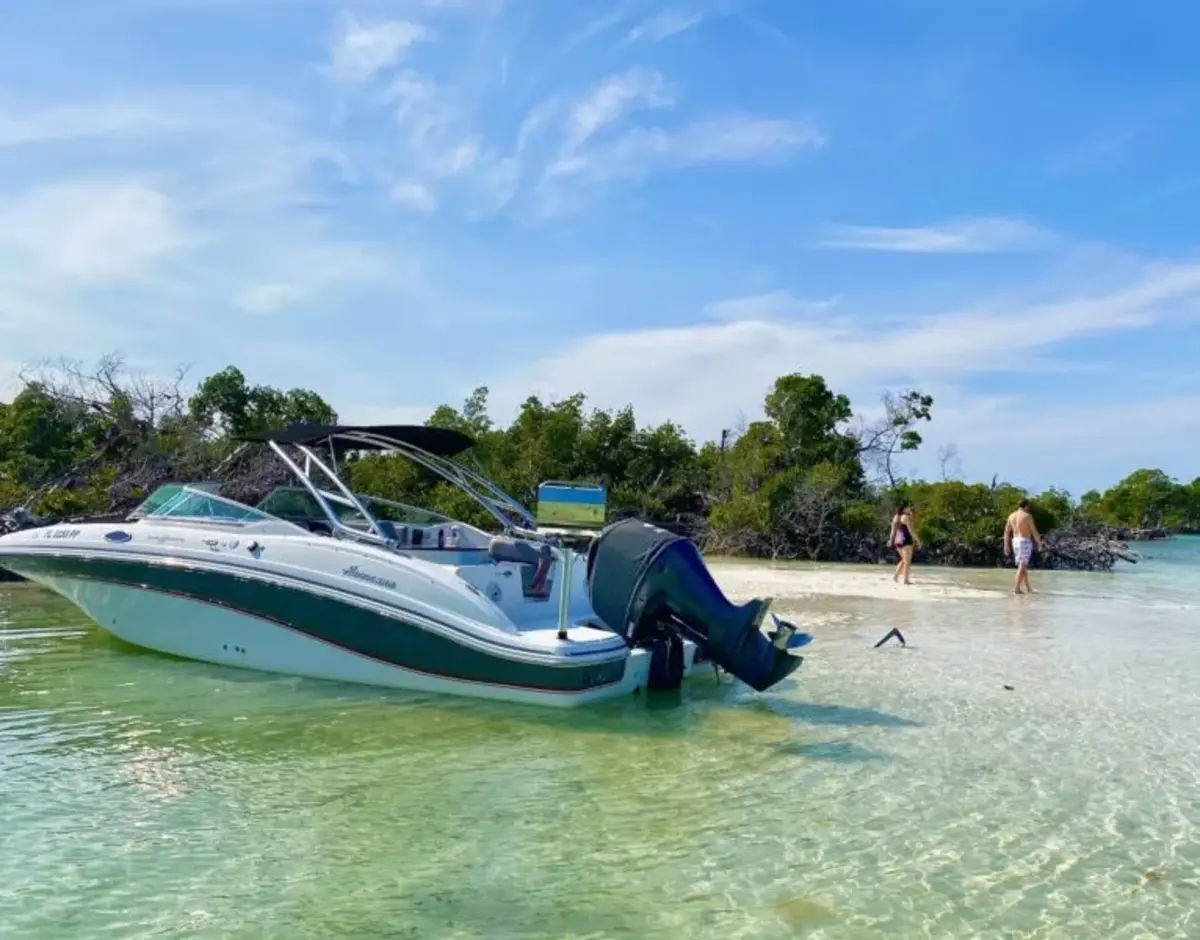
(645,581)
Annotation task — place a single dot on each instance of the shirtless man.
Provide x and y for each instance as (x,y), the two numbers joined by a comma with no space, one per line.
(1020,532)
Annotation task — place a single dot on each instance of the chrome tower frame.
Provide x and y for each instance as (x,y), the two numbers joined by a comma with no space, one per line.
(513,517)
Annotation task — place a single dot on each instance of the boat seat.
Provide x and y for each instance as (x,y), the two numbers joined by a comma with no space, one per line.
(534,583)
(521,552)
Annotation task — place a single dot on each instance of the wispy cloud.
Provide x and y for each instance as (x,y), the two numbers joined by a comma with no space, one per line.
(188,208)
(775,305)
(572,181)
(267,298)
(1053,437)
(441,142)
(454,156)
(96,232)
(596,26)
(640,152)
(362,49)
(706,372)
(612,99)
(442,145)
(664,25)
(59,123)
(414,196)
(955,237)
(301,269)
(537,121)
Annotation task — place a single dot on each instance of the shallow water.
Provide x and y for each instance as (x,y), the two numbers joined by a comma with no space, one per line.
(883,792)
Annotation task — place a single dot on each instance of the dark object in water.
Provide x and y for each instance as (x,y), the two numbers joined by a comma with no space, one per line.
(786,635)
(646,583)
(892,633)
(1010,688)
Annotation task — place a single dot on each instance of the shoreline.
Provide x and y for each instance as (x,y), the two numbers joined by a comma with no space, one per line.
(742,579)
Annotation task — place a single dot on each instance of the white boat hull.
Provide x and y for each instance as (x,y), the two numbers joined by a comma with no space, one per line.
(212,633)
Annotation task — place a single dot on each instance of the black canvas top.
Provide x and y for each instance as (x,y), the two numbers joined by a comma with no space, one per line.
(618,565)
(441,442)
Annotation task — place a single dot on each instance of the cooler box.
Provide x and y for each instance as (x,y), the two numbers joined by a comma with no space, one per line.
(571,505)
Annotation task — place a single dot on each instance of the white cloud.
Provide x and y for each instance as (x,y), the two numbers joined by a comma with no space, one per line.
(362,49)
(31,309)
(732,139)
(55,124)
(571,181)
(962,236)
(438,134)
(595,27)
(414,196)
(302,267)
(268,298)
(441,144)
(1042,443)
(410,91)
(744,138)
(536,121)
(95,232)
(444,149)
(664,25)
(613,98)
(702,375)
(495,186)
(220,146)
(776,305)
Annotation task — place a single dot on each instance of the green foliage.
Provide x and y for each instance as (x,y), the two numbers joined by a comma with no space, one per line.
(653,471)
(1053,509)
(42,435)
(1191,501)
(791,484)
(862,517)
(224,403)
(807,420)
(1145,499)
(952,511)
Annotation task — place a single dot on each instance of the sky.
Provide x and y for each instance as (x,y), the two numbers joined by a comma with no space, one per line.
(665,204)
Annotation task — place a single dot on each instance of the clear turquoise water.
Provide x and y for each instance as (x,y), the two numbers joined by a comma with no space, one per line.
(891,792)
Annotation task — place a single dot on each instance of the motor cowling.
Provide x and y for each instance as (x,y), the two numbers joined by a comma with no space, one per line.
(644,580)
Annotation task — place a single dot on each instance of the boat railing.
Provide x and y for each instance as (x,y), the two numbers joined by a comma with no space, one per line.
(305,465)
(503,507)
(375,534)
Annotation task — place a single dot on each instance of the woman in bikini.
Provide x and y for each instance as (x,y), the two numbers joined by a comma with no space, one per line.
(904,538)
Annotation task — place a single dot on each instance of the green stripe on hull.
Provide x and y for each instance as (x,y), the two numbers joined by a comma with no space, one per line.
(387,639)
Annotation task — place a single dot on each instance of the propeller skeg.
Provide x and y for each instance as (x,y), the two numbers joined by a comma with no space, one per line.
(786,635)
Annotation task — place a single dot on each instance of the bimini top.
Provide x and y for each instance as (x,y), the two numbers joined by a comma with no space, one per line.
(441,442)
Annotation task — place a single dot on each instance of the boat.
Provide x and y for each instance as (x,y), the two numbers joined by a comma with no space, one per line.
(317,580)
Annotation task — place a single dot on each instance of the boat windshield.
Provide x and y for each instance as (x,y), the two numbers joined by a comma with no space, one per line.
(196,501)
(295,503)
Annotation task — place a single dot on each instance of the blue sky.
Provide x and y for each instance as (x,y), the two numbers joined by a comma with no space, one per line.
(661,203)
